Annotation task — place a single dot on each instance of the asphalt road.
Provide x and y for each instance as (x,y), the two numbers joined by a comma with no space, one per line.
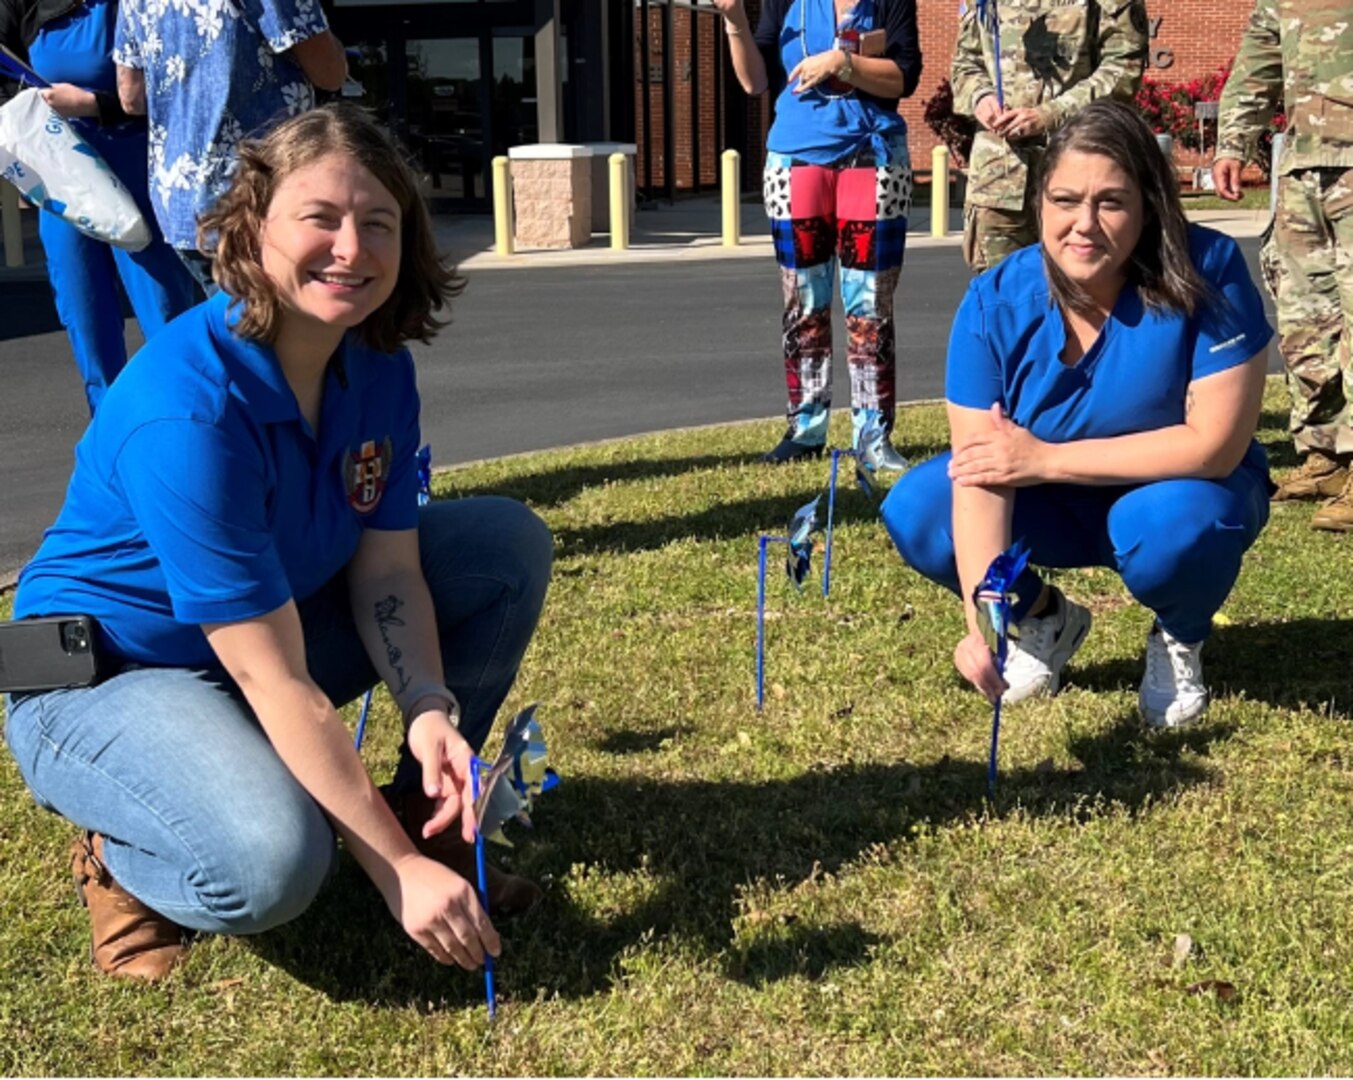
(536,358)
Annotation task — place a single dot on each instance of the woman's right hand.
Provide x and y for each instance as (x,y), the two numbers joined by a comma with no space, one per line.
(976,664)
(439,910)
(727,8)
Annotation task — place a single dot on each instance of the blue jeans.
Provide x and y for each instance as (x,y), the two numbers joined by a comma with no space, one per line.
(1176,543)
(202,820)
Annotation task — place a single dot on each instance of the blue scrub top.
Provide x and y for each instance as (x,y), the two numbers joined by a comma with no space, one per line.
(78,48)
(200,493)
(1008,336)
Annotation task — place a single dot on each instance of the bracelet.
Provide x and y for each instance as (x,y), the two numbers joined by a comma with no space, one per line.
(419,693)
(730,29)
(847,70)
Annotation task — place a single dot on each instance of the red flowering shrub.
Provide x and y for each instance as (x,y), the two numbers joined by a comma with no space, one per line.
(954,131)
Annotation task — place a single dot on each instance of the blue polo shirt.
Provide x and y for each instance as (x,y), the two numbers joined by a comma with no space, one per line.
(1007,339)
(200,493)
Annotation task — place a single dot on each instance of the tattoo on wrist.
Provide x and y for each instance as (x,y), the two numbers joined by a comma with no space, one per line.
(385,619)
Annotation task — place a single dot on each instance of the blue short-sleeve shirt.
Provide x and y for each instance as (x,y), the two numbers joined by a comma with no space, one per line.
(1007,339)
(215,74)
(200,493)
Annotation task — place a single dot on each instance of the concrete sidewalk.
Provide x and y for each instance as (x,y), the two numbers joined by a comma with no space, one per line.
(692,229)
(689,229)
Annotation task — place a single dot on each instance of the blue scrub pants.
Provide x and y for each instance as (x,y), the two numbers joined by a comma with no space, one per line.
(202,820)
(1177,544)
(84,274)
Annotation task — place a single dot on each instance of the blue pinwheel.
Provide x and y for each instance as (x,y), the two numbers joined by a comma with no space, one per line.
(802,525)
(505,791)
(995,600)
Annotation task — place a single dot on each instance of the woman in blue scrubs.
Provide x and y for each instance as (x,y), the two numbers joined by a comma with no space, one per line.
(243,524)
(70,44)
(1103,392)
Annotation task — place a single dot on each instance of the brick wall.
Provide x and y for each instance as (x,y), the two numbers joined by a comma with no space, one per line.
(1190,38)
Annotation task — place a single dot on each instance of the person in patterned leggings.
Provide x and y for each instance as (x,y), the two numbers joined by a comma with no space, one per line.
(838,190)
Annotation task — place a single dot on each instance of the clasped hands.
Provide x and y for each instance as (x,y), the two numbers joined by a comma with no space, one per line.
(1021,123)
(1006,455)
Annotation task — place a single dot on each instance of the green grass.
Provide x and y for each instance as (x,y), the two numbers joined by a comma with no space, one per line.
(822,888)
(1255,198)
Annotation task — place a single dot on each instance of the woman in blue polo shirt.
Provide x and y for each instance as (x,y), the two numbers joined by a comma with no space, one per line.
(1103,390)
(838,189)
(243,524)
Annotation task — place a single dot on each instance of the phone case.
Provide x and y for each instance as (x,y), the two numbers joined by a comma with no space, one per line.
(48,654)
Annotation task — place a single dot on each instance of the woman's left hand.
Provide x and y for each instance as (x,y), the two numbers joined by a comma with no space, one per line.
(447,762)
(815,69)
(1005,456)
(70,101)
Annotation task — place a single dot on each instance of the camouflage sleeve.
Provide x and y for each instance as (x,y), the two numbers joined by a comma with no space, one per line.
(1121,48)
(968,74)
(1254,85)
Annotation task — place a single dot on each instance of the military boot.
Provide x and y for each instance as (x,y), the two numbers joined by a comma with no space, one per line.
(1319,476)
(1337,514)
(130,940)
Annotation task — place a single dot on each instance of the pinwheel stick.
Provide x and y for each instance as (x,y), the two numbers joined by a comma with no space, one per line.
(837,455)
(489,995)
(361,720)
(996,722)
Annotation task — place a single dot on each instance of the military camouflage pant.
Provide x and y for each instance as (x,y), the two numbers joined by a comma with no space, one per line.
(1308,265)
(989,235)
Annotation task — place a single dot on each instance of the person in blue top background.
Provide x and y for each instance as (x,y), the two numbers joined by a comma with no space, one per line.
(837,189)
(1103,390)
(243,524)
(69,43)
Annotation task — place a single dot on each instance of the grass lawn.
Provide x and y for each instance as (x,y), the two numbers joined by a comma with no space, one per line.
(1254,198)
(822,888)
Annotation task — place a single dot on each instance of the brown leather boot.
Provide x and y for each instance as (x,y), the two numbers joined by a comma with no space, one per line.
(1337,514)
(130,941)
(508,894)
(1319,476)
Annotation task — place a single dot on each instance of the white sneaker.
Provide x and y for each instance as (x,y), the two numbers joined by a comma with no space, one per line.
(1034,660)
(1172,693)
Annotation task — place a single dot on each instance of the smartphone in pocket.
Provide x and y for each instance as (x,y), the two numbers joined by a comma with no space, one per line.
(51,653)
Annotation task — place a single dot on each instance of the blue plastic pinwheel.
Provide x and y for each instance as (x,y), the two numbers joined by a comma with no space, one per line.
(995,600)
(802,525)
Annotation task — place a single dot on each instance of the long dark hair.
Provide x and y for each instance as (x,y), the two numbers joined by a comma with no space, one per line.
(1161,266)
(427,282)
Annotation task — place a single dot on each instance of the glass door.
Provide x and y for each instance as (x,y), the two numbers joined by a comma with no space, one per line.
(446,116)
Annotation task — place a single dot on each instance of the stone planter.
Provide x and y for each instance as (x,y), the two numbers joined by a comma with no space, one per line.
(552,195)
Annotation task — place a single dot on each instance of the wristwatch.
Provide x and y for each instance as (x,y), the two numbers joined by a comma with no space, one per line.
(846,72)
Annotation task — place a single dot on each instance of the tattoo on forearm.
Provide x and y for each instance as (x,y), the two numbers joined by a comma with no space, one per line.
(1188,403)
(385,619)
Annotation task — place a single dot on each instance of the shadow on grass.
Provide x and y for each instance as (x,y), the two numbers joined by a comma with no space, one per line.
(640,742)
(723,521)
(669,860)
(555,486)
(1297,664)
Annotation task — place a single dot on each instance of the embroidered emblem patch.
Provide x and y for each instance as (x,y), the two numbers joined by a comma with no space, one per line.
(364,473)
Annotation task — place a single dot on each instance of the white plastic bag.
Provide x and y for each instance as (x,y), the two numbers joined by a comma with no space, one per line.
(55,169)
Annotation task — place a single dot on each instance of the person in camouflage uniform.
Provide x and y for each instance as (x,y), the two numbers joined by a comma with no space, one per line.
(1300,53)
(1056,57)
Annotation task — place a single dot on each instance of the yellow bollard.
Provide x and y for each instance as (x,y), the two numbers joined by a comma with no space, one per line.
(10,224)
(620,201)
(502,206)
(939,191)
(732,201)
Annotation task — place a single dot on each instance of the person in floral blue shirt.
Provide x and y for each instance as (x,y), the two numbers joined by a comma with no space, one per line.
(208,74)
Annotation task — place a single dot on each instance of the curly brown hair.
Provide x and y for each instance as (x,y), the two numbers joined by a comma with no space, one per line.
(231,229)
